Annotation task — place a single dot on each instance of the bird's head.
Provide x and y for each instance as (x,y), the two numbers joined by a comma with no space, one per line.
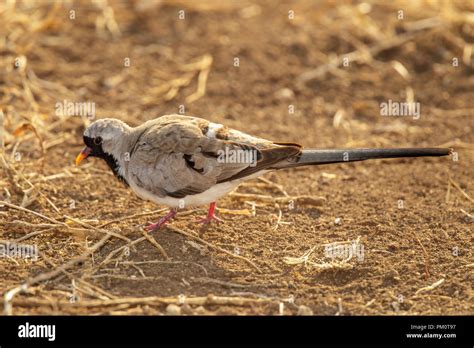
(102,138)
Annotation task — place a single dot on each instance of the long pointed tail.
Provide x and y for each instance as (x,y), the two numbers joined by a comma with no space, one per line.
(318,157)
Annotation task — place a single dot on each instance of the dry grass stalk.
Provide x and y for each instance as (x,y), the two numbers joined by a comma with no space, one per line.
(456,185)
(426,258)
(303,200)
(430,287)
(8,297)
(187,234)
(152,301)
(156,244)
(332,264)
(359,55)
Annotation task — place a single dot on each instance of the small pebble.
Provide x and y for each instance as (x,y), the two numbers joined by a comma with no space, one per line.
(200,310)
(284,94)
(304,310)
(392,274)
(173,309)
(338,221)
(186,309)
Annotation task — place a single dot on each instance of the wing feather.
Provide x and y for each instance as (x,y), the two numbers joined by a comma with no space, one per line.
(176,158)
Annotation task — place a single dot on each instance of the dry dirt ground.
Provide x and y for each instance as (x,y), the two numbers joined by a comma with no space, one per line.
(310,72)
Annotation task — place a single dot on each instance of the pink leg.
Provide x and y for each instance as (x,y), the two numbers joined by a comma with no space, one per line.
(161,222)
(211,215)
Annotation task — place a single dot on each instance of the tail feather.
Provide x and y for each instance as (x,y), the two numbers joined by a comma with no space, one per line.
(318,157)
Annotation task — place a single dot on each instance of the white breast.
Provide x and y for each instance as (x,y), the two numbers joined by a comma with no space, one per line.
(203,198)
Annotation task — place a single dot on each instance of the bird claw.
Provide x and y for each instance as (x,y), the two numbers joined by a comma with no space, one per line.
(161,222)
(207,220)
(156,226)
(211,215)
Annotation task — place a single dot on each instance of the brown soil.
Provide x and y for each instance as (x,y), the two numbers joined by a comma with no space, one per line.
(414,224)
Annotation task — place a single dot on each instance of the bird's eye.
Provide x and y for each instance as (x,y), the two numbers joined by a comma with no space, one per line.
(97,141)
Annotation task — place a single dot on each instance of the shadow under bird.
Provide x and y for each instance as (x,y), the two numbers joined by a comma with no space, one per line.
(183,161)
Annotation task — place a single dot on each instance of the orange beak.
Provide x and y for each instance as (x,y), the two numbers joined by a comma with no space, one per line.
(83,154)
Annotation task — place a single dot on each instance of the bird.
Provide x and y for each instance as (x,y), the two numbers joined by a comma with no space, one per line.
(186,161)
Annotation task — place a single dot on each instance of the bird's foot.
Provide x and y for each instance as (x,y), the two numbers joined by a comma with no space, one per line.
(157,225)
(207,220)
(161,222)
(211,216)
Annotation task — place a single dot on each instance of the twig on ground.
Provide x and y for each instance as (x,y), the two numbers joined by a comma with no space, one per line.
(132,217)
(177,230)
(430,287)
(205,280)
(205,68)
(371,52)
(299,260)
(275,185)
(470,216)
(33,212)
(425,256)
(166,263)
(90,227)
(303,200)
(234,211)
(456,185)
(156,244)
(9,295)
(153,300)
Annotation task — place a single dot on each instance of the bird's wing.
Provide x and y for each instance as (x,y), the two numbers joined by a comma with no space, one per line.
(178,158)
